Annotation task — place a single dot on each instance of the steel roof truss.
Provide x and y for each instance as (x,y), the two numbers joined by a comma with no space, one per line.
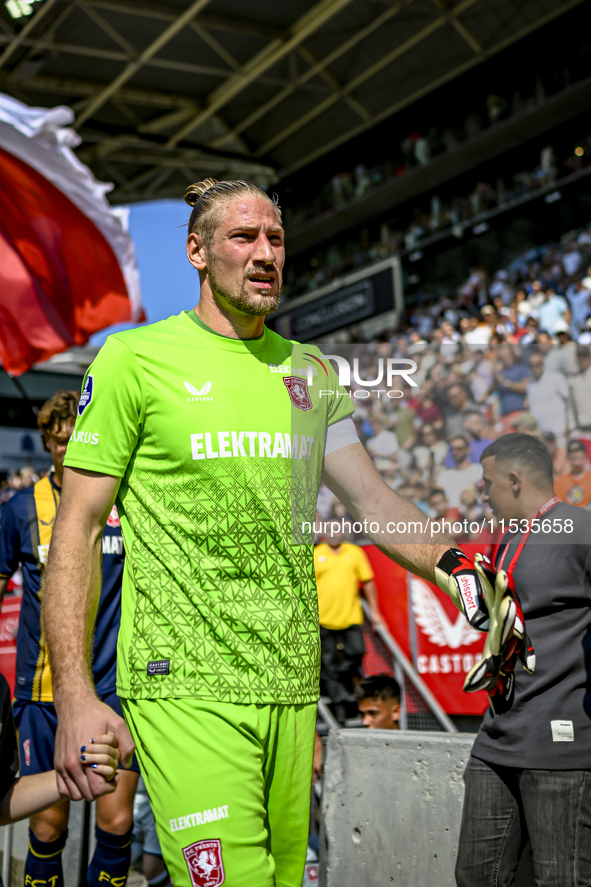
(445,78)
(149,52)
(26,30)
(262,61)
(361,78)
(309,72)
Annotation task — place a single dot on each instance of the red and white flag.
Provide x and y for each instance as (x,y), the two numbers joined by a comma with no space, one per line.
(67,262)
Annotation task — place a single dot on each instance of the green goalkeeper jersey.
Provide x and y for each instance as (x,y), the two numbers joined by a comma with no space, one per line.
(219,443)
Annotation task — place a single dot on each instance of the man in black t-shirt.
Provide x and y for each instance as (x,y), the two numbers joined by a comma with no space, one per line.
(529,776)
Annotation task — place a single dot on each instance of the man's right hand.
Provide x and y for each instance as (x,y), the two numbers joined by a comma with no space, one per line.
(80,720)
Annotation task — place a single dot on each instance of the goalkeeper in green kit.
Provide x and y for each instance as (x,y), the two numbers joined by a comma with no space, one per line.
(204,429)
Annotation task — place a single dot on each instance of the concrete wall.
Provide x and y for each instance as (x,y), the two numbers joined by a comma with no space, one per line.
(392,804)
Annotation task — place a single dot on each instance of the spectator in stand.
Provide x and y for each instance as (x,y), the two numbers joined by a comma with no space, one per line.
(554,309)
(439,509)
(384,443)
(579,404)
(585,336)
(340,568)
(558,455)
(547,395)
(451,338)
(475,429)
(578,297)
(464,476)
(426,409)
(522,306)
(459,406)
(511,377)
(416,343)
(475,335)
(379,698)
(548,165)
(575,487)
(403,416)
(390,471)
(562,358)
(526,424)
(471,507)
(488,323)
(530,332)
(429,451)
(536,295)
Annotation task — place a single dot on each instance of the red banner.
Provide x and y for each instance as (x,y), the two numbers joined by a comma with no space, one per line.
(67,264)
(435,637)
(9,616)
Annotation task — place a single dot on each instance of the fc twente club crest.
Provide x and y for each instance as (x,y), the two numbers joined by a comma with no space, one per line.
(298,392)
(204,861)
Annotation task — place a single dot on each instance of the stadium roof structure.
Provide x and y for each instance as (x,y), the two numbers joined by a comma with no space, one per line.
(166,92)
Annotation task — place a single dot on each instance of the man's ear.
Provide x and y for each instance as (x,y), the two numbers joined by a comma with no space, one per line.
(196,252)
(515,483)
(395,711)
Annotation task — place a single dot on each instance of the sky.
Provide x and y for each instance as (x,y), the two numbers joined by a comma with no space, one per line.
(168,282)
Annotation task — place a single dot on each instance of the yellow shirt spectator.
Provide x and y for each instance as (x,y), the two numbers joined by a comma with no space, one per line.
(339,570)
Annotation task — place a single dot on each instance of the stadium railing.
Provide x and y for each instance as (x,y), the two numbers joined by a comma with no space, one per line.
(428,714)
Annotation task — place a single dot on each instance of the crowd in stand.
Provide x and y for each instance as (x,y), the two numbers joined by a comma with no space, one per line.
(433,217)
(419,148)
(508,353)
(18,480)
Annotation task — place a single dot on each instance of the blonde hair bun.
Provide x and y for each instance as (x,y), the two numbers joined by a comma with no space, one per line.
(197,190)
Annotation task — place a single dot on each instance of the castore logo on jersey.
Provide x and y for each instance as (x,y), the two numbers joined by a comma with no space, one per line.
(198,394)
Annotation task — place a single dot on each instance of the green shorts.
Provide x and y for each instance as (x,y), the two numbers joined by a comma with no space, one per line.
(229,786)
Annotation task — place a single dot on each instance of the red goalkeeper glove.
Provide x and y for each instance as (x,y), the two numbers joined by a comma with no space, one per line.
(458,577)
(506,642)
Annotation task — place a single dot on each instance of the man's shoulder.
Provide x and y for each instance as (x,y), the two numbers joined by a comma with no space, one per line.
(579,532)
(139,337)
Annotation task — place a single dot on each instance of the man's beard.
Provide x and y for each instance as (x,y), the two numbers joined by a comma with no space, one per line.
(253,305)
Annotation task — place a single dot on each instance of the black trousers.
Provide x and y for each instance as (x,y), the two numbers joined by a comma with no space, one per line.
(341,653)
(504,806)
